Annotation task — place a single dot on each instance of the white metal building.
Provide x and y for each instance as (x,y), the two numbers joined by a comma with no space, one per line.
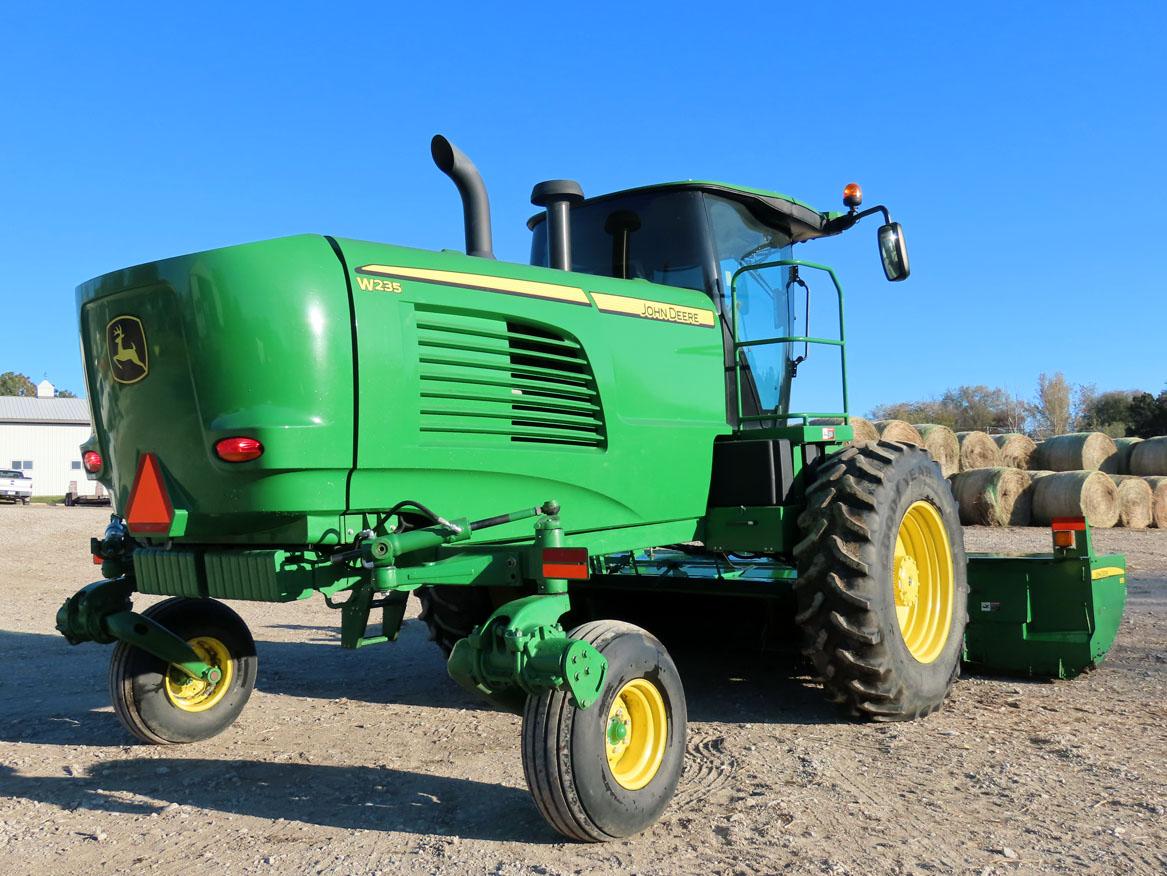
(42,436)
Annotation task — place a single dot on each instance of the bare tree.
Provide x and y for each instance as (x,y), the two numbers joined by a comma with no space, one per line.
(1051,409)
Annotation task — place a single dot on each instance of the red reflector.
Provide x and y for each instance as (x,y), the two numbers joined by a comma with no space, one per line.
(1068,523)
(150,509)
(97,561)
(91,459)
(238,449)
(570,563)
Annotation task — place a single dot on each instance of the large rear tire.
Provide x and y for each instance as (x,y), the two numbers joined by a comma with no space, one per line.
(881,591)
(610,770)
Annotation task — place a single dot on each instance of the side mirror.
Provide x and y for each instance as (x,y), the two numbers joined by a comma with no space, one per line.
(893,252)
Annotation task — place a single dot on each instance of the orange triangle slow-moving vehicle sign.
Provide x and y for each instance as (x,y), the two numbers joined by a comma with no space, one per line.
(150,509)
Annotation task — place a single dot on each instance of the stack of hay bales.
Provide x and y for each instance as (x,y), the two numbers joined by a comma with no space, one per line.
(1009,480)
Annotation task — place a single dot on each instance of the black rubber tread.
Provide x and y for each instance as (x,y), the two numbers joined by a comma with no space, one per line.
(547,751)
(128,662)
(845,605)
(452,612)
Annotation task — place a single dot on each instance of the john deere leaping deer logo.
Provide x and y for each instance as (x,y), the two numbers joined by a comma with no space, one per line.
(126,341)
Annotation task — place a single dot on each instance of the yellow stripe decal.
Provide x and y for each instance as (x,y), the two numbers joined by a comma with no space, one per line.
(1106,572)
(569,294)
(658,310)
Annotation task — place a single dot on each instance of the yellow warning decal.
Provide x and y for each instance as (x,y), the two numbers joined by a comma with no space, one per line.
(658,310)
(1106,572)
(530,288)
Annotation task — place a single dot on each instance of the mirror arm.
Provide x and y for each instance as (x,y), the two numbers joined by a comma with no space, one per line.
(841,223)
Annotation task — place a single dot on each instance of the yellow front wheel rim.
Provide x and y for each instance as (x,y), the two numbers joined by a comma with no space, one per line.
(922,581)
(636,734)
(196,695)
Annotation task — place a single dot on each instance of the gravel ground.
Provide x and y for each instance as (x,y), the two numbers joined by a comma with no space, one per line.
(374,762)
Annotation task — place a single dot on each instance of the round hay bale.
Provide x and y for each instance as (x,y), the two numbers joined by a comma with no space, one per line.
(1149,458)
(1078,451)
(978,450)
(1134,501)
(1120,463)
(942,446)
(1088,494)
(898,430)
(1158,501)
(864,431)
(992,496)
(1016,449)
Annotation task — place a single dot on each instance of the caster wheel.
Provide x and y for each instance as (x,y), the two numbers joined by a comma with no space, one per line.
(158,703)
(610,770)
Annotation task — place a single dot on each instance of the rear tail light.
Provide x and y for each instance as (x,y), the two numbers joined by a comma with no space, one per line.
(569,563)
(92,461)
(238,449)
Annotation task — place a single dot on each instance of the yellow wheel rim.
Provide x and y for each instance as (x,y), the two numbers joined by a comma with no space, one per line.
(636,734)
(194,694)
(922,581)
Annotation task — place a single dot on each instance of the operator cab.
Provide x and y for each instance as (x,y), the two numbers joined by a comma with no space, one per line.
(698,235)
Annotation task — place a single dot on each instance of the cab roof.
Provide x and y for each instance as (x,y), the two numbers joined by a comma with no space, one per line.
(805,222)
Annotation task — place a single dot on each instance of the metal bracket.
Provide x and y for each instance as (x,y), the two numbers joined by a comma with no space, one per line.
(522,645)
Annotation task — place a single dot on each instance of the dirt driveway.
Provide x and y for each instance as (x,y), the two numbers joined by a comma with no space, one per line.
(374,762)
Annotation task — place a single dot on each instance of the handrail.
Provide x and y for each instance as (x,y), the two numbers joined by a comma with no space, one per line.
(841,343)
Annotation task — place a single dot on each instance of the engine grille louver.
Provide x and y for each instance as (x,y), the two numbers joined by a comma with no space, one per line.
(506,380)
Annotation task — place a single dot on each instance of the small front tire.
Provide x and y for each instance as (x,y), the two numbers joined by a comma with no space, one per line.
(610,770)
(161,705)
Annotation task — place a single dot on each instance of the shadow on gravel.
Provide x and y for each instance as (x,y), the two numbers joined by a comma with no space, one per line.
(347,797)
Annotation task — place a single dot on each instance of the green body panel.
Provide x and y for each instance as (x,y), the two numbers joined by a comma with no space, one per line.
(1044,614)
(659,386)
(249,340)
(257,340)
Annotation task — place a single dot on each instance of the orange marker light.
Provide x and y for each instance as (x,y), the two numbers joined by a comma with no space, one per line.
(1064,538)
(852,195)
(569,563)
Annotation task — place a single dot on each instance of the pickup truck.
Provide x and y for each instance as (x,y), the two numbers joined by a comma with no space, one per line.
(15,486)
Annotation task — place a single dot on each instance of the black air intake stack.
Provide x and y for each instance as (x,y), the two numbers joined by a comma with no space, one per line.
(557,195)
(453,162)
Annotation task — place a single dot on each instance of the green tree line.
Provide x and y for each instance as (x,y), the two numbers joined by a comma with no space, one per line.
(1055,408)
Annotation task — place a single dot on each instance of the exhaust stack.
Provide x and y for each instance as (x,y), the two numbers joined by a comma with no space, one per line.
(453,162)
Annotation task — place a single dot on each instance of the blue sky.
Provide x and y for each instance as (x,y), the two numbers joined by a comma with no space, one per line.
(1021,145)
